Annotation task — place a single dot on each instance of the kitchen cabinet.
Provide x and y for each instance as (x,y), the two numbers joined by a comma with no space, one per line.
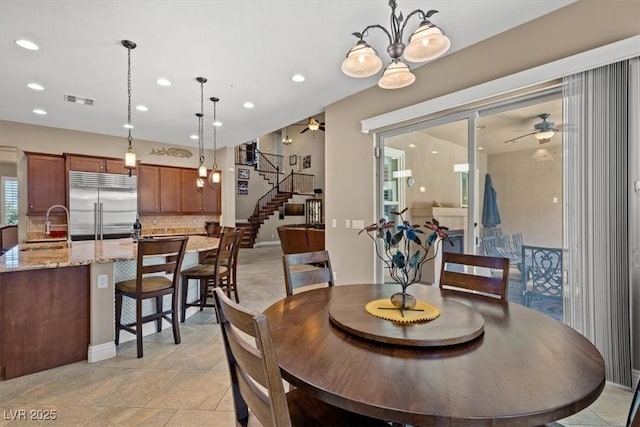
(169,190)
(206,201)
(96,164)
(148,189)
(46,183)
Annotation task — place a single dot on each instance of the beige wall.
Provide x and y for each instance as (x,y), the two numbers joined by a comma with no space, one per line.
(526,189)
(57,141)
(350,180)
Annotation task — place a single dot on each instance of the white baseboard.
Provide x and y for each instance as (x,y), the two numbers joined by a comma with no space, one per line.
(99,352)
(635,375)
(266,243)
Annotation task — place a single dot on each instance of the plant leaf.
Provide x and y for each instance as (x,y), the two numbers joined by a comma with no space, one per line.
(396,238)
(413,261)
(432,238)
(398,259)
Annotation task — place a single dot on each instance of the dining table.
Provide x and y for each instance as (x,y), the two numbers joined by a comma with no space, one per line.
(482,361)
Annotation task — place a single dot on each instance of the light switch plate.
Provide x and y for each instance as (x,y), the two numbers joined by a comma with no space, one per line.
(103,281)
(347,223)
(357,224)
(334,223)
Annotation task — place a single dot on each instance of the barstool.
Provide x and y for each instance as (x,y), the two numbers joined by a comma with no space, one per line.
(146,286)
(212,272)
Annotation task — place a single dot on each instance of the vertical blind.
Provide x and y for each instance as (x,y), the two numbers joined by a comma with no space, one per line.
(596,160)
(9,200)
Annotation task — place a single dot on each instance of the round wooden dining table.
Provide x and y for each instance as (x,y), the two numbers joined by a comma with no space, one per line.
(524,369)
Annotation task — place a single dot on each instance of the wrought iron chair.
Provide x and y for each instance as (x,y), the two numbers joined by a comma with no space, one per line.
(542,273)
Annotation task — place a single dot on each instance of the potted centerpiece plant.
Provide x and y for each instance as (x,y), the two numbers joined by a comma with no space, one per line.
(404,249)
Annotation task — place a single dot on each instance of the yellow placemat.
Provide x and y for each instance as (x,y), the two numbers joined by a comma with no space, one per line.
(383,309)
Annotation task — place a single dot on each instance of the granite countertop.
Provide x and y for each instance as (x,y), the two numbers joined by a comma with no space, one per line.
(33,256)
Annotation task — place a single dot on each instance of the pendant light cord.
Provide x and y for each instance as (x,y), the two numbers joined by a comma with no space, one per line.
(200,123)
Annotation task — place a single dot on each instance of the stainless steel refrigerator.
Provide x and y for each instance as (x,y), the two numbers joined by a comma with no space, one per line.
(101,205)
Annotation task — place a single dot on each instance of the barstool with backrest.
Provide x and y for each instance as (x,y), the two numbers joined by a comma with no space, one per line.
(216,270)
(154,256)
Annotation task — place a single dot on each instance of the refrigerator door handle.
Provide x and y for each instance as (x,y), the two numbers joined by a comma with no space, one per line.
(95,221)
(101,223)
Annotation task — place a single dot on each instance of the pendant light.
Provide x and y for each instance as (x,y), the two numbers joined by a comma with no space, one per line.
(215,175)
(202,168)
(130,156)
(286,140)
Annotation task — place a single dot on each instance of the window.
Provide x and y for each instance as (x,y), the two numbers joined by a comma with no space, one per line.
(9,200)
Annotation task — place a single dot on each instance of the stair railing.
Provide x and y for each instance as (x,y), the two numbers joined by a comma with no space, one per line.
(267,164)
(294,183)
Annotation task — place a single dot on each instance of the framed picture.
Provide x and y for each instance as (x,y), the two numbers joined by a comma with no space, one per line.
(294,209)
(306,161)
(243,188)
(243,173)
(293,160)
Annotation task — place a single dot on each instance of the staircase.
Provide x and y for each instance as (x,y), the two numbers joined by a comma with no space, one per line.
(267,205)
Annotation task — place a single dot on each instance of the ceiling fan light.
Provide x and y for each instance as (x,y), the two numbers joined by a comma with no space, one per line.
(541,155)
(361,61)
(426,43)
(397,75)
(544,135)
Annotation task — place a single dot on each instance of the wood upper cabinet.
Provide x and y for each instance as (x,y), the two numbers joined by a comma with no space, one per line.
(46,184)
(96,164)
(190,198)
(148,189)
(170,190)
(212,199)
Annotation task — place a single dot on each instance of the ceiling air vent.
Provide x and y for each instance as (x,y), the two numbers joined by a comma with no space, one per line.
(78,99)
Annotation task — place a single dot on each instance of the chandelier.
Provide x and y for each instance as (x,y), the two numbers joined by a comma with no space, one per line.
(202,168)
(425,43)
(129,156)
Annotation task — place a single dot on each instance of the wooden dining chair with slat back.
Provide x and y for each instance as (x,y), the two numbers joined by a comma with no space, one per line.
(455,274)
(306,269)
(154,256)
(211,272)
(256,382)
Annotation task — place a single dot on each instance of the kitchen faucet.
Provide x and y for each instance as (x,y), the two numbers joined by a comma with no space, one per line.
(47,223)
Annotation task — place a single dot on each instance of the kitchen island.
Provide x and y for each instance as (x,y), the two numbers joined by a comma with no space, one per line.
(57,302)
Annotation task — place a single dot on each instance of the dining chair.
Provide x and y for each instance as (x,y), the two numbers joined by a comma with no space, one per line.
(156,258)
(455,274)
(306,269)
(215,270)
(256,383)
(542,273)
(633,419)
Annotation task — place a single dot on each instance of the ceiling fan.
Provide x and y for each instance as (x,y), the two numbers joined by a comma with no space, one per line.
(313,124)
(543,131)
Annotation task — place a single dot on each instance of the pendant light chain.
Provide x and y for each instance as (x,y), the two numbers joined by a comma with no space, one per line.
(215,164)
(129,156)
(200,122)
(129,149)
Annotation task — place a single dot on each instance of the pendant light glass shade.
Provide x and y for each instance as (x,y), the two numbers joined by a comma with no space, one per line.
(426,43)
(130,160)
(214,177)
(396,76)
(202,171)
(361,61)
(200,183)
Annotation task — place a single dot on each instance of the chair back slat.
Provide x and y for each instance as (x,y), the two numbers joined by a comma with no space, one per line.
(252,362)
(306,269)
(460,280)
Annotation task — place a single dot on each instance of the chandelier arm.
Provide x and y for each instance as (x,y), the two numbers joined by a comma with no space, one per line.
(364,32)
(423,16)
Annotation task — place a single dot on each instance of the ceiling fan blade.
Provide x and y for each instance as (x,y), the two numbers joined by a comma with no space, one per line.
(321,128)
(509,141)
(304,130)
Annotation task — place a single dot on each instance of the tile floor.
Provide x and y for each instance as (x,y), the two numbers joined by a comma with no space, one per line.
(186,384)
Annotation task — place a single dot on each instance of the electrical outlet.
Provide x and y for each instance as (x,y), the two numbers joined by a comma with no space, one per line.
(103,281)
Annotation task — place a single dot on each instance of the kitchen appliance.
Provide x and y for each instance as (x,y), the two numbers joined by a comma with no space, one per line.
(101,205)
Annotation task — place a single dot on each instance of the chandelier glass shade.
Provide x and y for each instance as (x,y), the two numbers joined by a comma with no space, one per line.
(426,43)
(129,156)
(544,135)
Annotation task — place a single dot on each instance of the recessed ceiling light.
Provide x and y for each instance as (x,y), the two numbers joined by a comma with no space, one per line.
(298,78)
(248,105)
(35,86)
(217,123)
(434,152)
(194,136)
(27,44)
(40,111)
(163,82)
(142,108)
(127,126)
(480,148)
(412,145)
